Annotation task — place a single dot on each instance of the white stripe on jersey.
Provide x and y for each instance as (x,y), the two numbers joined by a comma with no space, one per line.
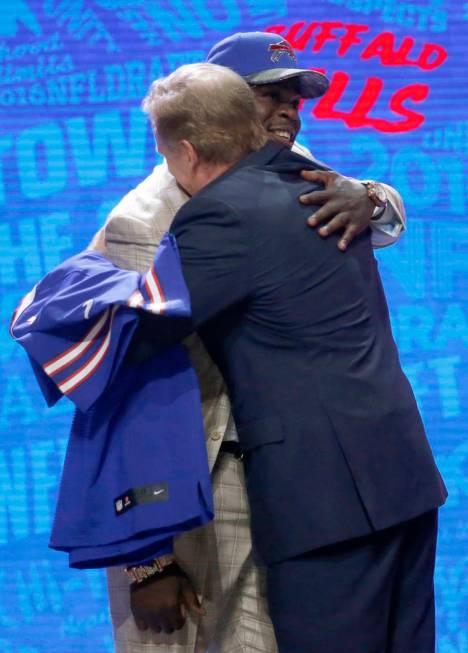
(154,289)
(62,361)
(137,301)
(156,307)
(84,372)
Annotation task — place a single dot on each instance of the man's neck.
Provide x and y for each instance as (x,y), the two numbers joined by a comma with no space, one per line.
(206,173)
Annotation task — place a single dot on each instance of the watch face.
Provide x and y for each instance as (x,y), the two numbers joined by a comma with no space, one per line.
(380,194)
(376,193)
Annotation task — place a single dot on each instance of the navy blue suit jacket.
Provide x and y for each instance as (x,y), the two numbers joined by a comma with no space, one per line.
(301,333)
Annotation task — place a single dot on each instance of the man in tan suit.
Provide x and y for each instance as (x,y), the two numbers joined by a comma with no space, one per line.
(228,613)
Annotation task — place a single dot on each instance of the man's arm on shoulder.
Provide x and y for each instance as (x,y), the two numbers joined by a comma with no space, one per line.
(213,242)
(345,206)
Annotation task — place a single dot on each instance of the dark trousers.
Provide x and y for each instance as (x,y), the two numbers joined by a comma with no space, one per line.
(374,594)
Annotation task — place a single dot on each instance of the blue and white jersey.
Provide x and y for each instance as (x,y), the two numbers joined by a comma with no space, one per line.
(136,470)
(77,322)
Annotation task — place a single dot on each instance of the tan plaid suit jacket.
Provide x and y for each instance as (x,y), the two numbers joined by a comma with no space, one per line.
(218,556)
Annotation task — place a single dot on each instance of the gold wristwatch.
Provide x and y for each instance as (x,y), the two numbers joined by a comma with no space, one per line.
(376,193)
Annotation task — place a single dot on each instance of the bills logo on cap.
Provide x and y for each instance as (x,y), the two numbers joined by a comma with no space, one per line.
(283,47)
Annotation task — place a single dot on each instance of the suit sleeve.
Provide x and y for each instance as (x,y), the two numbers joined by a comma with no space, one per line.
(213,243)
(130,243)
(135,226)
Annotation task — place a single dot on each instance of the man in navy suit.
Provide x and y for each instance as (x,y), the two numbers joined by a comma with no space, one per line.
(342,484)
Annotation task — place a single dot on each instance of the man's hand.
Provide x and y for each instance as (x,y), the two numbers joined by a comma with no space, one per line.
(344,205)
(162,605)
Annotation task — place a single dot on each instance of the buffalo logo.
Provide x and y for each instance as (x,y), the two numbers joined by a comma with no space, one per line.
(283,47)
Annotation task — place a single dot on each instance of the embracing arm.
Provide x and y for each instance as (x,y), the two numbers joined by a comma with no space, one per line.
(135,227)
(346,206)
(130,243)
(213,245)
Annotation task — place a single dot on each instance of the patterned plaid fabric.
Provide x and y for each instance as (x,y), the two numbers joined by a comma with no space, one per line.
(219,562)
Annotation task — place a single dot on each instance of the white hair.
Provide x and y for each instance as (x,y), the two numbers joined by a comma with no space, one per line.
(208,105)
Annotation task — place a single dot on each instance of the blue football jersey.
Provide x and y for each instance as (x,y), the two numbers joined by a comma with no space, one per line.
(136,470)
(77,322)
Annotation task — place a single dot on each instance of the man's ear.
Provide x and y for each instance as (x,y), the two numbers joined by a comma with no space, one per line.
(189,153)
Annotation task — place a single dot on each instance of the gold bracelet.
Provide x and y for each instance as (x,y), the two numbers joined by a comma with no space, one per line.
(139,573)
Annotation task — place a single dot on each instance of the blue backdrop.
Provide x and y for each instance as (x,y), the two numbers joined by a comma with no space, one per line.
(73,140)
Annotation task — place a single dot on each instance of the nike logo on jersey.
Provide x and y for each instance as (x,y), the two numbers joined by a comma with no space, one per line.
(153,493)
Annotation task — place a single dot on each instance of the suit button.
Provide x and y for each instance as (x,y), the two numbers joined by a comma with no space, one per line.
(216,435)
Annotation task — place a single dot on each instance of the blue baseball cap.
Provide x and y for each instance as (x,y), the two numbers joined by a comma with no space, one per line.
(266,58)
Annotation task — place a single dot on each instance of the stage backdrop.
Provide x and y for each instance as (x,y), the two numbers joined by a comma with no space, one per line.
(73,140)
